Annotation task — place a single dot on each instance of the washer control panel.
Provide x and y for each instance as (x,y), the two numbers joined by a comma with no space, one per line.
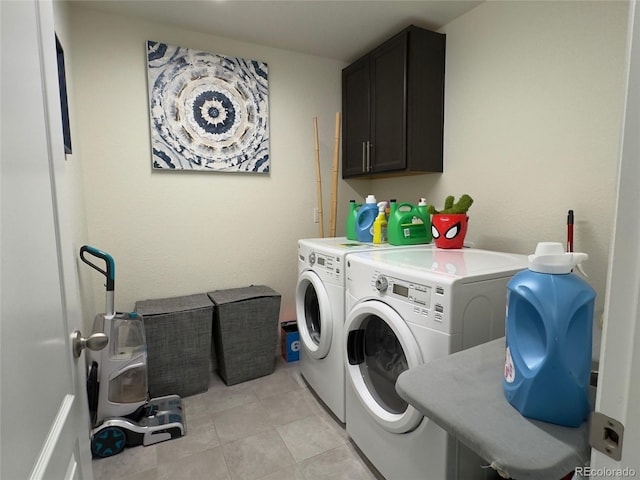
(328,265)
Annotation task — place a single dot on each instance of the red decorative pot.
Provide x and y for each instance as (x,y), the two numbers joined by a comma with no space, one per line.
(449,230)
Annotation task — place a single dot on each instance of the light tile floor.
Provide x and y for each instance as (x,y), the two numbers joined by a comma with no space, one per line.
(269,428)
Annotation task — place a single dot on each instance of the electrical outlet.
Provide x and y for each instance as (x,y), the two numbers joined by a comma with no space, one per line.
(316,215)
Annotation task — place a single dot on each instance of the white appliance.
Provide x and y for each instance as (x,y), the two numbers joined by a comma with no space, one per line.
(320,310)
(405,308)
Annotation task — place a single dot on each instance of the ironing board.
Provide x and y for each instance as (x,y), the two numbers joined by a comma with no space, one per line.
(463,394)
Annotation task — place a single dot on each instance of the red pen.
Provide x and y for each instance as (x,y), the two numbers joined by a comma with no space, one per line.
(570,231)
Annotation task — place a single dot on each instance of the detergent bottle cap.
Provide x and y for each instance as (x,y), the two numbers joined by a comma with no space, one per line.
(550,257)
(371,199)
(422,202)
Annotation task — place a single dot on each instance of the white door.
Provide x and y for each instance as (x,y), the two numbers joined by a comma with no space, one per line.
(313,309)
(619,383)
(379,346)
(43,409)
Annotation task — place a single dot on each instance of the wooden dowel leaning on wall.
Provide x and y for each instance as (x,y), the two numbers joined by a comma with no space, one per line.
(318,177)
(333,217)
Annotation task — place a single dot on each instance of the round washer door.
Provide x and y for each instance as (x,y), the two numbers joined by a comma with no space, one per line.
(313,309)
(379,346)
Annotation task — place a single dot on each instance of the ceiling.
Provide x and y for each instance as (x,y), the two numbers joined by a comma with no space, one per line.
(339,29)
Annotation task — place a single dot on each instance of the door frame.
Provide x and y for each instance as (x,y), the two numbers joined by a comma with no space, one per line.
(619,370)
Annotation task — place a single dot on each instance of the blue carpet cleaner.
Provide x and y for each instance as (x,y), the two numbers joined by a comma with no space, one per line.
(122,414)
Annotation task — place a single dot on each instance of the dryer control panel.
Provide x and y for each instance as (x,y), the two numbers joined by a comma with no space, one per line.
(424,298)
(413,292)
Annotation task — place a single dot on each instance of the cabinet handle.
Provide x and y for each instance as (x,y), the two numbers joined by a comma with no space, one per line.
(369,156)
(364,155)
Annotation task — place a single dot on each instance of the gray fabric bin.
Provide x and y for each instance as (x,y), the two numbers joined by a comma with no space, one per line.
(245,331)
(178,333)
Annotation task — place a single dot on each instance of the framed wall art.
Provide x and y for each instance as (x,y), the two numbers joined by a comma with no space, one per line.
(208,112)
(64,103)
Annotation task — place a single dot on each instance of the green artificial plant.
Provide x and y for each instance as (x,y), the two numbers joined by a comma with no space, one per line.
(461,206)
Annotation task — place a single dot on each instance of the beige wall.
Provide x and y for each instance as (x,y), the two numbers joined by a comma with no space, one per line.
(534,101)
(533,116)
(74,181)
(175,233)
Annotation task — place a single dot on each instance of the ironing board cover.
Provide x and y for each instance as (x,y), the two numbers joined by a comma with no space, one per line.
(463,394)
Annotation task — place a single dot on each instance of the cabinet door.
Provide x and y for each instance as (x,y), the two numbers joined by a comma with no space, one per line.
(388,65)
(355,113)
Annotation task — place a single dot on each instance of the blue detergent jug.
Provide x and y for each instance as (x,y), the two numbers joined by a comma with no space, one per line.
(548,338)
(364,219)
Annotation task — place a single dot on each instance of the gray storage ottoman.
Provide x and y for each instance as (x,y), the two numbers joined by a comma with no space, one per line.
(245,331)
(178,333)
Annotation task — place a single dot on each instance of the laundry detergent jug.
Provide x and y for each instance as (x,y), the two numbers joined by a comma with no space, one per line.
(380,225)
(548,338)
(408,224)
(364,219)
(350,227)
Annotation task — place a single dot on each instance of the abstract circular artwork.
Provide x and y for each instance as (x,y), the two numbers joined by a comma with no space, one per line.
(208,112)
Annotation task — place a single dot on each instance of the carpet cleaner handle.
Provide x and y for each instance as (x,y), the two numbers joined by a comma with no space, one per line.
(108,272)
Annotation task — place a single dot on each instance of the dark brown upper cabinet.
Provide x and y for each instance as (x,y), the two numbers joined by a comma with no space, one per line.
(393,107)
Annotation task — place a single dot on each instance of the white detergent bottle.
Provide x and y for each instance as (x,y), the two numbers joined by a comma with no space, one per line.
(548,338)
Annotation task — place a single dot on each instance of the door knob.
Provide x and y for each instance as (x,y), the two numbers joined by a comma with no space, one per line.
(95,342)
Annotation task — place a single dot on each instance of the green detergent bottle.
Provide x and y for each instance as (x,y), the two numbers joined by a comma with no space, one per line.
(351,220)
(408,224)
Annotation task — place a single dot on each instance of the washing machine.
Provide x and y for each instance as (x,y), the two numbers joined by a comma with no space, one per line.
(320,311)
(405,308)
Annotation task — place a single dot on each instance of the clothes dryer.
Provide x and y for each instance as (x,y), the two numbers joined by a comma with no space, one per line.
(405,308)
(320,311)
